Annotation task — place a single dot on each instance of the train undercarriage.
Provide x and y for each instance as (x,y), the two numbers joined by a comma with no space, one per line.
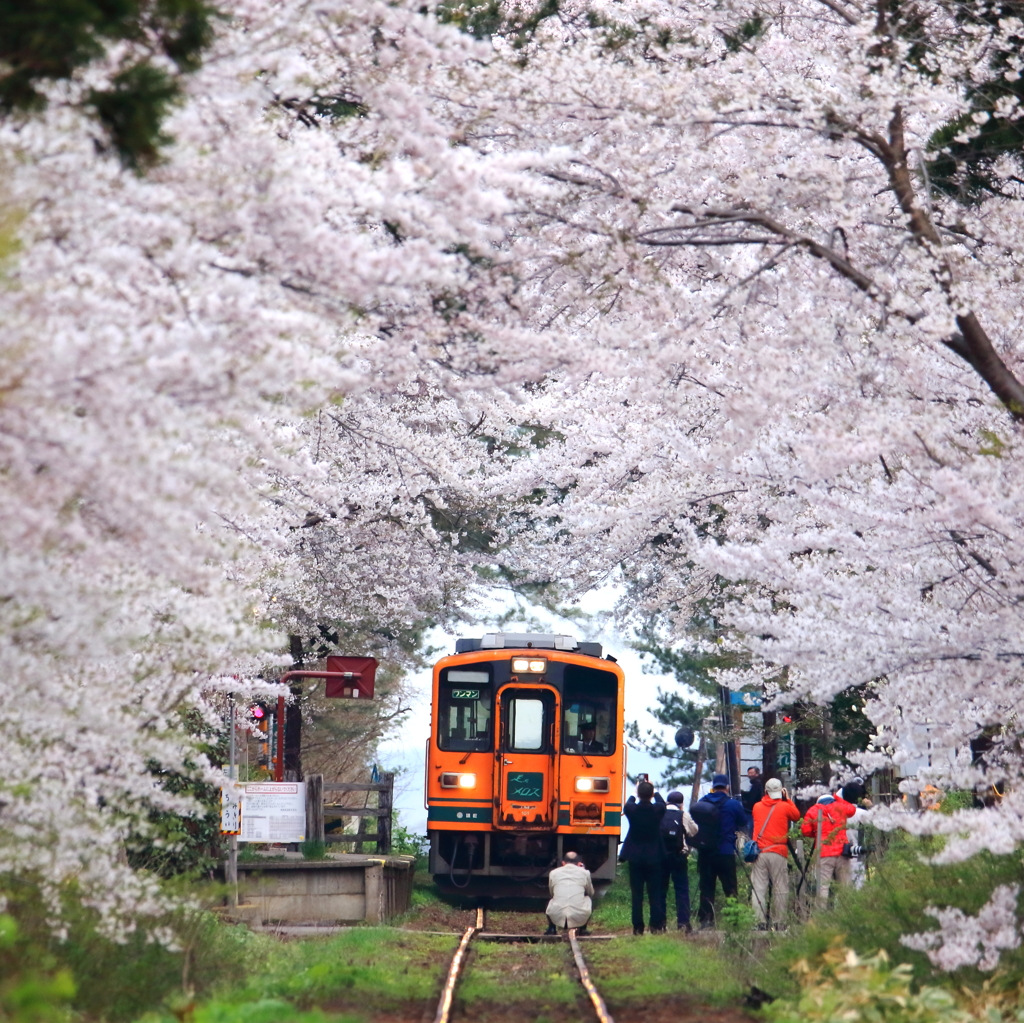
(513,864)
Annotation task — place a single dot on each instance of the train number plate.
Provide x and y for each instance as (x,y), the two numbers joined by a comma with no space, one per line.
(528,785)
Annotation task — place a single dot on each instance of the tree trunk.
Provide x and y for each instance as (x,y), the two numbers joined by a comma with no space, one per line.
(769,745)
(293,718)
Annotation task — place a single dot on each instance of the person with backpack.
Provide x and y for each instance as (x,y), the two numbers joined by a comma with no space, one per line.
(644,851)
(773,814)
(825,822)
(718,817)
(676,826)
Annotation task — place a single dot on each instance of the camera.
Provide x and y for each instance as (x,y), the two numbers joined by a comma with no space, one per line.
(851,849)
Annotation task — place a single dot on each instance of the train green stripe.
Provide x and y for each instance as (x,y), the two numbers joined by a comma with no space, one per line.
(460,815)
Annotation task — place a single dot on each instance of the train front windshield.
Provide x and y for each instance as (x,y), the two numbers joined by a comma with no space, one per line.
(589,699)
(466,706)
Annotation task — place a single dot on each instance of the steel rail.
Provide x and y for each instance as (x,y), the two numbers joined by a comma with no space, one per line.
(598,1002)
(444,1006)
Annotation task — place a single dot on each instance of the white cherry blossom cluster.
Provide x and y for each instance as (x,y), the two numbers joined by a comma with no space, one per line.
(963,940)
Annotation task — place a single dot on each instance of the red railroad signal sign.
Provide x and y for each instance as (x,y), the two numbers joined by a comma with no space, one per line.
(353,677)
(350,677)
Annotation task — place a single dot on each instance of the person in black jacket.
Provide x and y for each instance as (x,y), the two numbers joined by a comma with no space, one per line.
(676,826)
(755,794)
(644,851)
(718,818)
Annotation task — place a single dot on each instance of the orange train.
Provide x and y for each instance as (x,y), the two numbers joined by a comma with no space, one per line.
(525,761)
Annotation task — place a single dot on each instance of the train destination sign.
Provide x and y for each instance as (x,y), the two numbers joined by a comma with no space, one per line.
(525,785)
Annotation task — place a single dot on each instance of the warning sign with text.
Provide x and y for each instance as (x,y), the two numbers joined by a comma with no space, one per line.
(273,811)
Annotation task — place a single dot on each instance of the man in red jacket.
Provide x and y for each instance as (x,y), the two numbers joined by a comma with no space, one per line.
(826,823)
(773,814)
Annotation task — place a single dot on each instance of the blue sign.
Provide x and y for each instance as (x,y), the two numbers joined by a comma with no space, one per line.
(745,699)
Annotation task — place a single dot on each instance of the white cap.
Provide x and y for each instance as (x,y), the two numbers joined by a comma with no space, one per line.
(773,788)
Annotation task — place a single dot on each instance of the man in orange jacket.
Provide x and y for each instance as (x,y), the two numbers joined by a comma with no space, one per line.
(826,823)
(773,814)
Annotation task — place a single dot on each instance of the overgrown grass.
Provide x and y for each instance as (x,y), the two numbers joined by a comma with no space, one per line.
(366,970)
(612,912)
(501,974)
(377,966)
(634,969)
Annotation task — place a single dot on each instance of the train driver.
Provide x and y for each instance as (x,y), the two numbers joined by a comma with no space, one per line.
(588,737)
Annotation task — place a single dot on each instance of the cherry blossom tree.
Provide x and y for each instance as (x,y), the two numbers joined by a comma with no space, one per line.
(798,387)
(172,346)
(658,289)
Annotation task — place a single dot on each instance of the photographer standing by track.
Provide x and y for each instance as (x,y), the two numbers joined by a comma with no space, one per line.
(644,851)
(718,817)
(773,814)
(826,823)
(676,827)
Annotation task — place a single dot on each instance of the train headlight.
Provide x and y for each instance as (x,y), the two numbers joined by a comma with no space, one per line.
(593,785)
(458,781)
(529,665)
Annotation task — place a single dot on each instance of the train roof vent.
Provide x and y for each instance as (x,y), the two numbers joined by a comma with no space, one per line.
(527,640)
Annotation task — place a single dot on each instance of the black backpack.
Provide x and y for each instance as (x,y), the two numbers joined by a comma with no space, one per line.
(708,818)
(672,834)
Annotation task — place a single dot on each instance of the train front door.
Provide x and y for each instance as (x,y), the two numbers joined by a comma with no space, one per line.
(526,781)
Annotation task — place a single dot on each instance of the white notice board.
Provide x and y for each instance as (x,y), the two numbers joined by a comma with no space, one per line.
(273,811)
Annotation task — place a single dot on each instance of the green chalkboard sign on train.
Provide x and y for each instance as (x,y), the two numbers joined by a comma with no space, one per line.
(525,785)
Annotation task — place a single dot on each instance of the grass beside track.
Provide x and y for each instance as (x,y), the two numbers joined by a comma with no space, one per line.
(633,970)
(503,975)
(394,974)
(365,974)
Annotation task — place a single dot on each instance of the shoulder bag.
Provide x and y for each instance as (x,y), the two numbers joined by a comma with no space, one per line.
(751,850)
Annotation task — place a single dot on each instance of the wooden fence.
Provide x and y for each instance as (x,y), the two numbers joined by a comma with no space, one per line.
(321,808)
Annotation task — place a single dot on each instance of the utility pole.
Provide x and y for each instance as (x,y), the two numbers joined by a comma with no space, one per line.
(732,762)
(292,747)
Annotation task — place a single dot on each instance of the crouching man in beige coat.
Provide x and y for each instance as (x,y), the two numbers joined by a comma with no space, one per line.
(571,889)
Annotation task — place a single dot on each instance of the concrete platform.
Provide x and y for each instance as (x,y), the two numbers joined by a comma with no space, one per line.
(344,889)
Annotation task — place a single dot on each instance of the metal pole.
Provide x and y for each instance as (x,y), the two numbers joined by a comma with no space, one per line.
(231,740)
(698,771)
(232,871)
(732,767)
(279,766)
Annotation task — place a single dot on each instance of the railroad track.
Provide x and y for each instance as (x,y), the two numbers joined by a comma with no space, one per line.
(444,1005)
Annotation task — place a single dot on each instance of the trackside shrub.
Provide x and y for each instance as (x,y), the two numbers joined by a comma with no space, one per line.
(900,886)
(83,974)
(843,987)
(29,994)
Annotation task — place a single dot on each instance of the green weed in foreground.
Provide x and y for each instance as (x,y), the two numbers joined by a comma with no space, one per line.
(27,995)
(502,974)
(366,967)
(367,970)
(231,1011)
(633,969)
(119,981)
